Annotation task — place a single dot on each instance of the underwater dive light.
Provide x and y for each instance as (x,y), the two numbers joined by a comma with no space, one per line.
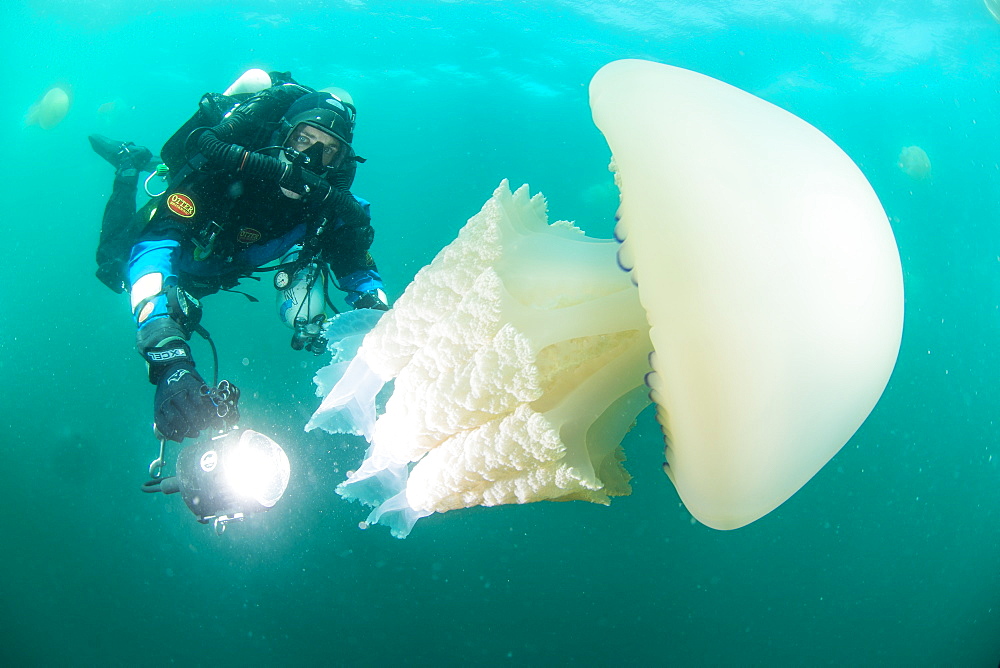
(227,477)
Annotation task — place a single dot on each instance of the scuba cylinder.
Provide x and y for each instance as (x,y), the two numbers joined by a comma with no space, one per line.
(301,301)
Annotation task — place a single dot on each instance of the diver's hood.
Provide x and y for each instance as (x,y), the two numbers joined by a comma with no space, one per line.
(324,112)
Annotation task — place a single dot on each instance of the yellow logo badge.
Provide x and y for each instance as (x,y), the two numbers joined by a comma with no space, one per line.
(181,204)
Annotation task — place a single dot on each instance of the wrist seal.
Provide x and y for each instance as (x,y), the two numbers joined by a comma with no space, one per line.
(163,359)
(163,344)
(158,333)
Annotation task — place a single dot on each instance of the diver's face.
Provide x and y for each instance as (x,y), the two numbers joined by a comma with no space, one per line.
(304,136)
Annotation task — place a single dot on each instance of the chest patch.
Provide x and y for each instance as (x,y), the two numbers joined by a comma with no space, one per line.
(248,235)
(181,204)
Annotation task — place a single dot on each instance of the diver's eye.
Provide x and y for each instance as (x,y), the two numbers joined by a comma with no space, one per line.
(302,142)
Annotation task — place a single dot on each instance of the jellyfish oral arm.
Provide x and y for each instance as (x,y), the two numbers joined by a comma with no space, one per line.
(518,357)
(348,385)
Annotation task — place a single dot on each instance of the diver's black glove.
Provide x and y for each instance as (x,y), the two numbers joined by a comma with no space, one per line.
(374,299)
(181,406)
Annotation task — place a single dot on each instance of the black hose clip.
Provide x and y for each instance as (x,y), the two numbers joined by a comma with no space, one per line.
(225,397)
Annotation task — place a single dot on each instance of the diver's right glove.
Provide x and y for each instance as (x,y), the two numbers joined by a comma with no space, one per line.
(181,406)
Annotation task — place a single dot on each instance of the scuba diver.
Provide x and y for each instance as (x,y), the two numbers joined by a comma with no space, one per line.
(252,178)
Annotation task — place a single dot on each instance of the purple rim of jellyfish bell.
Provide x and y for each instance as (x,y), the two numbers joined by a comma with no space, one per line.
(618,257)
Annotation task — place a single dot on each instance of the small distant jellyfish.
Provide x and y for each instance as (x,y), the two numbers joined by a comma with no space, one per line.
(602,195)
(994,8)
(109,112)
(913,162)
(50,110)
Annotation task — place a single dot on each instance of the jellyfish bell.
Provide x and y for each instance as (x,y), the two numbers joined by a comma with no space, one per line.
(761,309)
(770,277)
(913,162)
(50,110)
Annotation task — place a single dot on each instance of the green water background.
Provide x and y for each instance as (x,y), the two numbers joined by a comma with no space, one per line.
(889,556)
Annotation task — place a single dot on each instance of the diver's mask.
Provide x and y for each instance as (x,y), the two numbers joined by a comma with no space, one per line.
(311,158)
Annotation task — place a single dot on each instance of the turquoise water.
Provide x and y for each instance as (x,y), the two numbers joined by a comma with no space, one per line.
(889,556)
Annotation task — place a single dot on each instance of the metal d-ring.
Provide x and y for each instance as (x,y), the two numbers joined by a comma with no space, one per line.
(156,466)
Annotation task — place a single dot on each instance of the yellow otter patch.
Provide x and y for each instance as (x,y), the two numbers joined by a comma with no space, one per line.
(181,204)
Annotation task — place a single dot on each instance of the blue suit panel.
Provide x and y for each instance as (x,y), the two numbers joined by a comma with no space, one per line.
(256,227)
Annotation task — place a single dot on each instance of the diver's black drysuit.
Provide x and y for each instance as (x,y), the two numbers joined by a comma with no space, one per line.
(226,213)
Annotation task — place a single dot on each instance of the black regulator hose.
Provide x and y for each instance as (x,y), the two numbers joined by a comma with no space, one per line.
(236,158)
(221,153)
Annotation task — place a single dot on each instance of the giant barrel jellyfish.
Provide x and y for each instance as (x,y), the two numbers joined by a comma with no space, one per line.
(760,309)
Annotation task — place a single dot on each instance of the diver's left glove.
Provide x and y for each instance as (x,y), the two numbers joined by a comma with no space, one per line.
(181,405)
(374,299)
